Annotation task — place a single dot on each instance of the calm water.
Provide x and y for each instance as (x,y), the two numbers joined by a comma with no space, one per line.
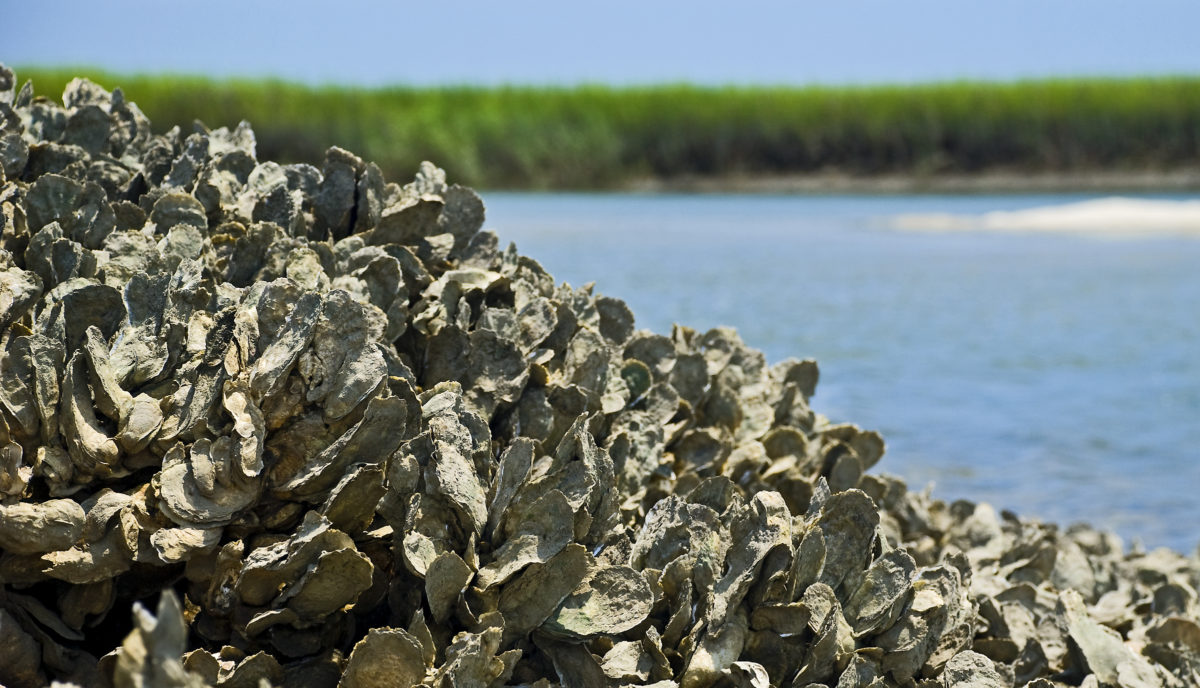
(1058,376)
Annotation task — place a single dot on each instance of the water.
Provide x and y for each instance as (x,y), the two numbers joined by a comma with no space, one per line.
(1057,376)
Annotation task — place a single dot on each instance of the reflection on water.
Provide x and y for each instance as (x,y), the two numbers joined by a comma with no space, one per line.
(1054,375)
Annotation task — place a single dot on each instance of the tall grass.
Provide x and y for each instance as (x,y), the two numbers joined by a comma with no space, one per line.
(597,137)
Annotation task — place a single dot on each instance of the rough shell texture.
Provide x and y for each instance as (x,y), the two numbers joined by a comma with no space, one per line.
(335,435)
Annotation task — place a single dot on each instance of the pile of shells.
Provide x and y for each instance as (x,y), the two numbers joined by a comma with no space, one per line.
(334,435)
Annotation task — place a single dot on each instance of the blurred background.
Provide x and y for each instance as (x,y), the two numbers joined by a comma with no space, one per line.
(978,218)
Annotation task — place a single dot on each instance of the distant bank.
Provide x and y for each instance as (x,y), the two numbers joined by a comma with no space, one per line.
(988,181)
(1059,135)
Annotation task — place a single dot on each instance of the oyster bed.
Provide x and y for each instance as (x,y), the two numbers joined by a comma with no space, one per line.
(333,434)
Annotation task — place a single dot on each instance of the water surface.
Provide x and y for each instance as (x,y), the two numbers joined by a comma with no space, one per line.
(1057,376)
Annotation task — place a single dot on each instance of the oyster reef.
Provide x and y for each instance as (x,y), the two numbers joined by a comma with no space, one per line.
(295,425)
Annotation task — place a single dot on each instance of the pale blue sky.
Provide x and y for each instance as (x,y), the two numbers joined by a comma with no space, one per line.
(617,42)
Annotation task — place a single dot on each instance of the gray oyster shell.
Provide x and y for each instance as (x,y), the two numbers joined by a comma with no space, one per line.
(338,436)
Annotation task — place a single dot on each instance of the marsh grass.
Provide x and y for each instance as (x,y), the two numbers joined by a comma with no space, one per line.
(590,137)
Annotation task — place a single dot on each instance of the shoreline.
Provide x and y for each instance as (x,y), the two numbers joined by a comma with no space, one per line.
(1182,180)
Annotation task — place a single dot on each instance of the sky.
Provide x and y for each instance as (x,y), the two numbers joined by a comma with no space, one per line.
(619,42)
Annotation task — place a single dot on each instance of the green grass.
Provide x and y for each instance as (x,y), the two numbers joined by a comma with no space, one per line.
(600,137)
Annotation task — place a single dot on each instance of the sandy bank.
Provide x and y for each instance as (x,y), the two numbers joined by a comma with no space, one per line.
(1114,216)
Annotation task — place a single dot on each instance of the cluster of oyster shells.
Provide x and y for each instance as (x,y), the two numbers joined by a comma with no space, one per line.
(334,435)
